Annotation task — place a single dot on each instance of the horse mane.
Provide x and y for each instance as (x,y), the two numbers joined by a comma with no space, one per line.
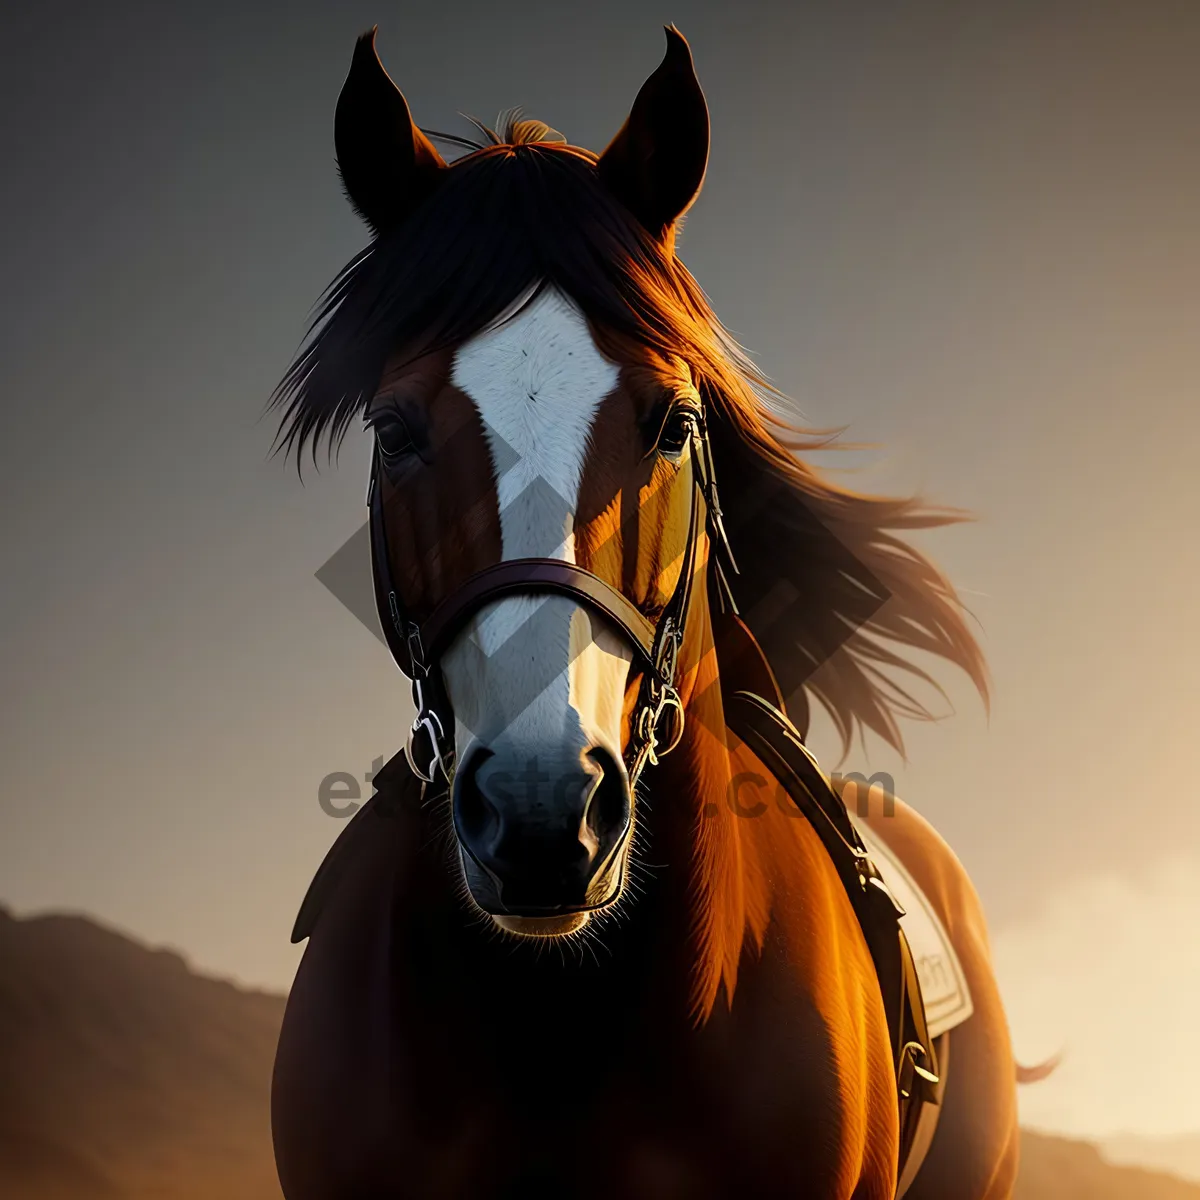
(514,131)
(828,583)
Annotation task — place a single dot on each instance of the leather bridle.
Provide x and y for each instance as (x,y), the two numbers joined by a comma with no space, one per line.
(417,647)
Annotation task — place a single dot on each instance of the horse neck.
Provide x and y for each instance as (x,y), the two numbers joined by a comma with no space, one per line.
(743,866)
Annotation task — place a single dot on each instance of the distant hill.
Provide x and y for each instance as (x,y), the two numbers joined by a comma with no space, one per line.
(1054,1168)
(1176,1155)
(126,1076)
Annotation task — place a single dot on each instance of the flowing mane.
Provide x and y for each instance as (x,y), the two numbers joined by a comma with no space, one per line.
(828,584)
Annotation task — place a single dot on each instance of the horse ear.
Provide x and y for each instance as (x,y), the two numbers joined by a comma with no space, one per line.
(656,164)
(387,164)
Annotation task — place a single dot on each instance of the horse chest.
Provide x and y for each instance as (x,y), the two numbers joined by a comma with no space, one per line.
(565,1099)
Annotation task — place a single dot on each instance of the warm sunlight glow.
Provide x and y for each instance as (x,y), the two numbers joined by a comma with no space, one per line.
(1108,971)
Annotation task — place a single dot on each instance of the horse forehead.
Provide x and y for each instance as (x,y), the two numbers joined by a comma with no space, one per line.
(538,382)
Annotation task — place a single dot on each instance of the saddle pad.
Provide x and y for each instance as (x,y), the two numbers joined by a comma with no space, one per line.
(943,985)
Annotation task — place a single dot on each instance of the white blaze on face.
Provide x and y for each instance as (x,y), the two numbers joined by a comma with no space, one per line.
(537,381)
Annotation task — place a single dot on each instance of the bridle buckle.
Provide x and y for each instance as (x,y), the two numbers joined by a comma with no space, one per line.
(668,658)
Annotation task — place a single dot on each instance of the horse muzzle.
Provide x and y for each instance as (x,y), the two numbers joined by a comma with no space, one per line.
(542,832)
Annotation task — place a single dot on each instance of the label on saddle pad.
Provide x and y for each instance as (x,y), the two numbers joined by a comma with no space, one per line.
(943,985)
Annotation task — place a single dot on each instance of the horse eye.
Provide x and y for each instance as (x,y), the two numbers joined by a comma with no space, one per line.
(392,437)
(677,429)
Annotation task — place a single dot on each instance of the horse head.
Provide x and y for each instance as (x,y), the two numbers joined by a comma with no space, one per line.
(552,400)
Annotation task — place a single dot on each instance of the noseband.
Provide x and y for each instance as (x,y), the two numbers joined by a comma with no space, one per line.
(417,647)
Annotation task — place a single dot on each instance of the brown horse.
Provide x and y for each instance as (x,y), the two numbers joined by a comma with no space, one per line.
(590,968)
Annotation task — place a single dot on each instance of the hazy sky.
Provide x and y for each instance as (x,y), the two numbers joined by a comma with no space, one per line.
(968,231)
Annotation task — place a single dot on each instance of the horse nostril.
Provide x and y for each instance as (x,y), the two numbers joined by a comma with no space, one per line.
(608,807)
(540,836)
(477,817)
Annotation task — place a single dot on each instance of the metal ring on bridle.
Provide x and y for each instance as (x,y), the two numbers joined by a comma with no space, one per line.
(650,725)
(429,724)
